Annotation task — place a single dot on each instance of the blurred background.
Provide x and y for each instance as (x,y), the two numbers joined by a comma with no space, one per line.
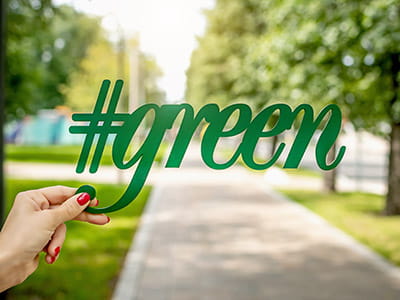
(55,55)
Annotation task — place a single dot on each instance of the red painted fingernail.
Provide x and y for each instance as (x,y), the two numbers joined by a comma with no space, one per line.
(83,198)
(57,250)
(96,203)
(52,259)
(108,219)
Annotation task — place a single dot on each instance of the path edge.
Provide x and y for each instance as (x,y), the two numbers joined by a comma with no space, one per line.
(128,280)
(380,262)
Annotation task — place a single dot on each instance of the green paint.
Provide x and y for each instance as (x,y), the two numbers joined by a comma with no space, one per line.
(101,125)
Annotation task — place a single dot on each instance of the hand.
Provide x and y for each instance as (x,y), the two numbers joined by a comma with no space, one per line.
(35,224)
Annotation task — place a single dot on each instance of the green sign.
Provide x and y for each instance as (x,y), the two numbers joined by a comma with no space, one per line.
(100,124)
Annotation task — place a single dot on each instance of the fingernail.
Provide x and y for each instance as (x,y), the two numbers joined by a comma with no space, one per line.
(57,250)
(83,198)
(108,219)
(52,259)
(96,203)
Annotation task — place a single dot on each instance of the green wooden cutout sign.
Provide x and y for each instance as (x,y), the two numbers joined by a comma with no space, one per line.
(100,124)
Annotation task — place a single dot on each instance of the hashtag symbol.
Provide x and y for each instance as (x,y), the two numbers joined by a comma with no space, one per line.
(99,127)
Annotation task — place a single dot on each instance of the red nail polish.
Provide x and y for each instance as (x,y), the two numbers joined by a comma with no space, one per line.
(52,259)
(57,250)
(108,219)
(83,198)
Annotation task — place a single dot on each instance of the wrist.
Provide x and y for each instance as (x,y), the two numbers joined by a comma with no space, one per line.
(11,269)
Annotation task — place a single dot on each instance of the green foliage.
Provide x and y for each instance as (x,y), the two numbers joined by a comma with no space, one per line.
(44,44)
(217,65)
(297,51)
(335,52)
(358,214)
(104,61)
(150,72)
(57,55)
(91,257)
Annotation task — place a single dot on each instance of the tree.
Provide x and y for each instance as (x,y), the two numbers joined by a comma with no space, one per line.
(100,63)
(286,62)
(2,101)
(317,52)
(45,44)
(104,62)
(216,69)
(150,73)
(219,66)
(236,61)
(23,52)
(344,52)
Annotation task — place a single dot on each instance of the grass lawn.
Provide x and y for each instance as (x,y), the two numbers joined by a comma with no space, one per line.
(62,154)
(91,257)
(358,214)
(302,172)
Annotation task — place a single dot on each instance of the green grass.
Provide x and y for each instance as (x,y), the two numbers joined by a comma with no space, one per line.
(91,257)
(62,154)
(301,171)
(358,214)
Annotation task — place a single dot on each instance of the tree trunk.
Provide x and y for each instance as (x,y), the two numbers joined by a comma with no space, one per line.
(330,176)
(393,196)
(2,101)
(392,206)
(3,295)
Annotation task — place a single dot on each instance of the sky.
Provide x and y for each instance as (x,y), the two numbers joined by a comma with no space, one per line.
(167,30)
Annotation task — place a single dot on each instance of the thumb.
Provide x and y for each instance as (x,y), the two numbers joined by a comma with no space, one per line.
(71,208)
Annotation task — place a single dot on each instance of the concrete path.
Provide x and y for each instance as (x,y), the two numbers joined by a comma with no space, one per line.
(210,234)
(274,176)
(54,171)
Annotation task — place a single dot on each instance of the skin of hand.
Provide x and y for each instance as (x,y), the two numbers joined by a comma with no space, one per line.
(35,224)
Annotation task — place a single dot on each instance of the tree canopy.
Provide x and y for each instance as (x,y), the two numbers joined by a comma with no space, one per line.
(217,65)
(57,55)
(44,45)
(344,52)
(299,51)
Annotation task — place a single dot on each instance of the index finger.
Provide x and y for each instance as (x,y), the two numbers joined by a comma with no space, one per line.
(57,194)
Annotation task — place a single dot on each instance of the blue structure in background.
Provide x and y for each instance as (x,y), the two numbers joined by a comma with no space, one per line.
(48,127)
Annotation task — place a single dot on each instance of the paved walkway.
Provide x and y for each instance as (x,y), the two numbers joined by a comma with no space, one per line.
(210,234)
(54,171)
(275,177)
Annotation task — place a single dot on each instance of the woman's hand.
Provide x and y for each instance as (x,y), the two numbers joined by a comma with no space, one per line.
(35,224)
